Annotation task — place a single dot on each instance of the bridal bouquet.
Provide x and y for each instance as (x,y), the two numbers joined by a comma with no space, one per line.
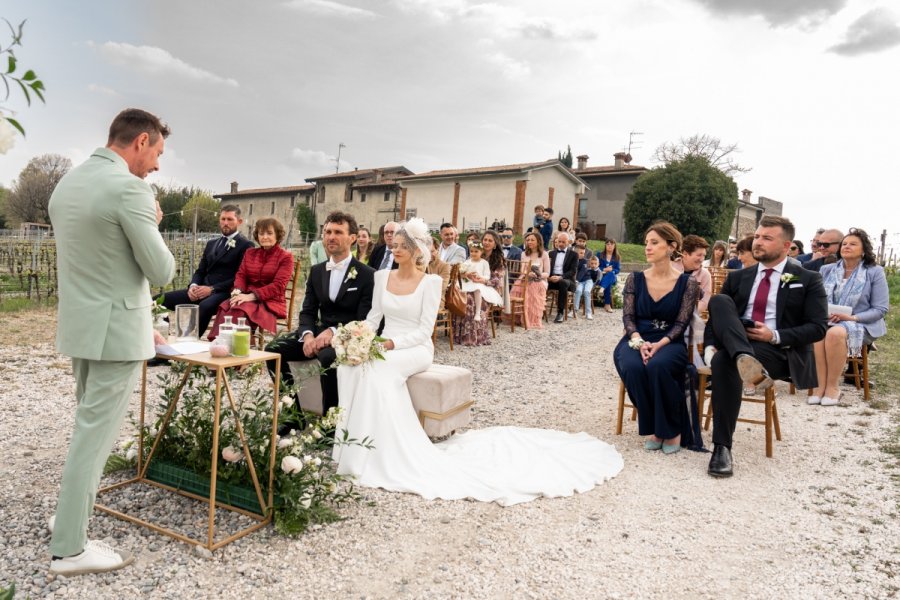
(355,344)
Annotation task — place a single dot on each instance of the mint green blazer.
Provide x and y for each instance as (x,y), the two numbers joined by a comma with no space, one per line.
(108,253)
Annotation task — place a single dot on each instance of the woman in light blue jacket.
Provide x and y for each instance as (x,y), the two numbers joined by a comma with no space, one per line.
(858,283)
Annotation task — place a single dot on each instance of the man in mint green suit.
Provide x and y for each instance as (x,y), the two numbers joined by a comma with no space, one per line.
(109,250)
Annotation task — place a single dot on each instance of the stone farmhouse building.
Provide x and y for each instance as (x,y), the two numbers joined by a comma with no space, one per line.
(278,202)
(476,198)
(601,211)
(749,213)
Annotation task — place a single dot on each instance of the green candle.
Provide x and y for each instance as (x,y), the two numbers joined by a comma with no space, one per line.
(241,343)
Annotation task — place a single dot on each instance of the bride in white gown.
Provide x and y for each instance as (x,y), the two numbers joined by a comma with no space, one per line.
(507,465)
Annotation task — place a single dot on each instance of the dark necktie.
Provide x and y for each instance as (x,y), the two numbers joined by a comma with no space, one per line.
(762,297)
(386,260)
(220,247)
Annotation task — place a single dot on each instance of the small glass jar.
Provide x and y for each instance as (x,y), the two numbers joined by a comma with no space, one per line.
(241,338)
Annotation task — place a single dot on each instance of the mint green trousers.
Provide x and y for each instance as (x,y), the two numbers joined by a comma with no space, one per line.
(103,389)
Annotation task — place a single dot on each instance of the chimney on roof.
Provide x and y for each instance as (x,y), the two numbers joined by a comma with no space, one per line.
(234,187)
(745,195)
(582,161)
(376,175)
(620,159)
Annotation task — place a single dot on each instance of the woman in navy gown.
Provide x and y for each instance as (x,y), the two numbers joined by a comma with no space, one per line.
(652,357)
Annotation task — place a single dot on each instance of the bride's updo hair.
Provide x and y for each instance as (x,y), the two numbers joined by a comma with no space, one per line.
(413,235)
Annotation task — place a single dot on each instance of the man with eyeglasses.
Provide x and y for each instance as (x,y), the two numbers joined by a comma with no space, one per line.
(826,249)
(813,245)
(510,252)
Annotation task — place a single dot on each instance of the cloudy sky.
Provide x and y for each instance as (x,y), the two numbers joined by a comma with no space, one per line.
(263,92)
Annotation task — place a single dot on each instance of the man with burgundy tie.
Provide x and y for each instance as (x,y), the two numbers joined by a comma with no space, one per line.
(788,309)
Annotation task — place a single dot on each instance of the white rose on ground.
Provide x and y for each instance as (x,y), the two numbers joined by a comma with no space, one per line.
(7,136)
(232,454)
(317,434)
(305,501)
(286,401)
(317,461)
(285,442)
(131,454)
(291,464)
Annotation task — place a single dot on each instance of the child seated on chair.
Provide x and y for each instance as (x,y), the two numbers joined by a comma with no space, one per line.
(588,272)
(476,272)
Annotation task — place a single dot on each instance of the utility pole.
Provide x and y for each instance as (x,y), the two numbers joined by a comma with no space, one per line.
(337,167)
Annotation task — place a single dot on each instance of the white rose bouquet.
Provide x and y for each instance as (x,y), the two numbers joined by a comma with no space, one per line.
(355,344)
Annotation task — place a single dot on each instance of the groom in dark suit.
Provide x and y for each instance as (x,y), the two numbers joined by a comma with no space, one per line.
(214,277)
(337,291)
(788,309)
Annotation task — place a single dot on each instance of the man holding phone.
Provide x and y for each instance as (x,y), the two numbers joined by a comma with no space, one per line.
(761,325)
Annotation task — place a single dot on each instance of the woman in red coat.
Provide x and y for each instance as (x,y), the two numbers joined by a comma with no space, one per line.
(260,282)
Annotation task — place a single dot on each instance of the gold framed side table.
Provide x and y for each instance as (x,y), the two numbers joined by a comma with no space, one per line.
(219,366)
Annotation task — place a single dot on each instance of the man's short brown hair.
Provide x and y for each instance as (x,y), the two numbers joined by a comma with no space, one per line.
(693,242)
(339,217)
(787,227)
(131,123)
(233,208)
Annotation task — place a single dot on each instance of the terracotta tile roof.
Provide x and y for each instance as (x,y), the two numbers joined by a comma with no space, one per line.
(514,168)
(268,191)
(609,170)
(361,173)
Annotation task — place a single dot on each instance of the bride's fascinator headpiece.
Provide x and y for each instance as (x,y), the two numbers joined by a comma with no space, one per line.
(416,231)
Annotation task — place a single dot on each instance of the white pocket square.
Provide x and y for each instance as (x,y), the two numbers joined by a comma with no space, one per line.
(352,289)
(796,285)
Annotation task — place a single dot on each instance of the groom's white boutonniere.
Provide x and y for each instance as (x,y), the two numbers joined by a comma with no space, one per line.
(351,274)
(787,278)
(230,243)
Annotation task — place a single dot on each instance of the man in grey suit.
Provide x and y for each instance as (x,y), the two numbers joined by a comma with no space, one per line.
(109,250)
(450,252)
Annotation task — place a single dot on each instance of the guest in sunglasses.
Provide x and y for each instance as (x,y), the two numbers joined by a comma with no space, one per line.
(510,252)
(826,250)
(796,249)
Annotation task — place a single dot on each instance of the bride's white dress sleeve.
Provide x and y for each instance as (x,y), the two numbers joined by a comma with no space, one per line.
(431,301)
(376,313)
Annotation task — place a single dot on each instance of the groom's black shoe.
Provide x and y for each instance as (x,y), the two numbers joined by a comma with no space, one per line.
(559,318)
(720,463)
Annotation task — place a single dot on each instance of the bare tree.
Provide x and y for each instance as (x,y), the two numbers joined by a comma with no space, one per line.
(30,193)
(719,155)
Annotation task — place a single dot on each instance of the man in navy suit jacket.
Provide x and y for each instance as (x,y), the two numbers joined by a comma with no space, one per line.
(214,277)
(789,311)
(510,252)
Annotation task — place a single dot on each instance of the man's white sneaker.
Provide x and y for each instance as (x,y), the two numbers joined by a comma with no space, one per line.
(813,400)
(590,317)
(97,557)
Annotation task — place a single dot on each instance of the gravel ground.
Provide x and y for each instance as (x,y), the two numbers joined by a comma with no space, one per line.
(818,520)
